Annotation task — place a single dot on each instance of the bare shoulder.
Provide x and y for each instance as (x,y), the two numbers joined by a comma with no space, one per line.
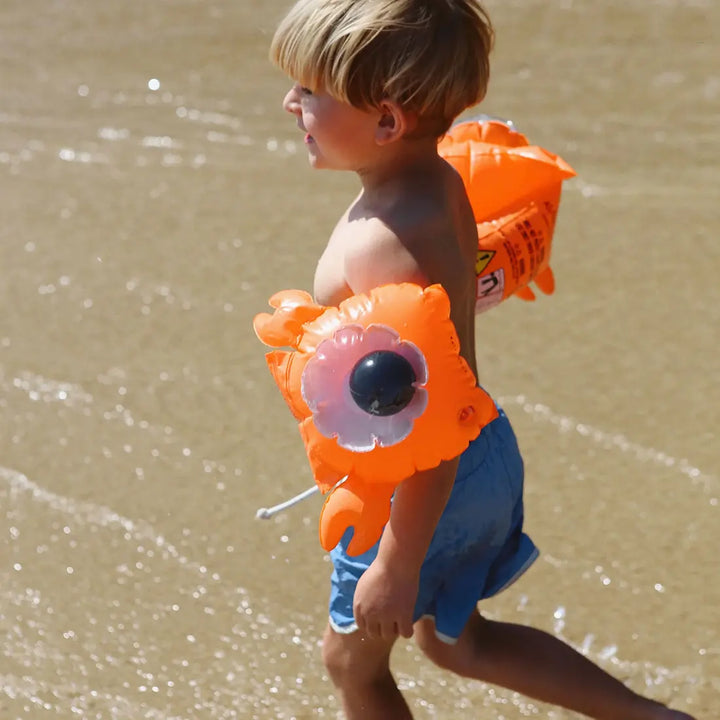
(425,234)
(382,254)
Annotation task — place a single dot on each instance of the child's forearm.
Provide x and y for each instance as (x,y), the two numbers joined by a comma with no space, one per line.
(417,506)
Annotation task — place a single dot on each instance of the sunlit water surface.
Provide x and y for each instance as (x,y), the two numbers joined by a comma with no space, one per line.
(153,196)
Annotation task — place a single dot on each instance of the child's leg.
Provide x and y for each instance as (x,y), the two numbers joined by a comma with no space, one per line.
(539,665)
(359,668)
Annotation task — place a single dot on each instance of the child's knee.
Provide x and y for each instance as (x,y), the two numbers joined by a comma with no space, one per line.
(438,652)
(334,656)
(461,657)
(443,654)
(350,660)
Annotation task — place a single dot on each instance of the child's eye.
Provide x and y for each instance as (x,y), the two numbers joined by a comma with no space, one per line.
(305,90)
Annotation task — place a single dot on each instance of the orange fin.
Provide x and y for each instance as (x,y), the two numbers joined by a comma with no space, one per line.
(525,293)
(363,506)
(293,308)
(545,280)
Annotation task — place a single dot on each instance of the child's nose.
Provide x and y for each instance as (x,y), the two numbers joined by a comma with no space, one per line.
(291,103)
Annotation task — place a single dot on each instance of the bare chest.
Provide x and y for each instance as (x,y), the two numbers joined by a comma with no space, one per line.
(330,286)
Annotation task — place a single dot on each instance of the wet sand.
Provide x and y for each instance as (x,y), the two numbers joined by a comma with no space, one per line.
(154,195)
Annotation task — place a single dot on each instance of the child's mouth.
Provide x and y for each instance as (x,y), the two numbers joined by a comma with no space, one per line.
(309,139)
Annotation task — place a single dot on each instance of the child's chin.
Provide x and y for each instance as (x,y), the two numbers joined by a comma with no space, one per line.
(317,163)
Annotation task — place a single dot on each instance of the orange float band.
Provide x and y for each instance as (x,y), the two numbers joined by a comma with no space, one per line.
(380,392)
(514,189)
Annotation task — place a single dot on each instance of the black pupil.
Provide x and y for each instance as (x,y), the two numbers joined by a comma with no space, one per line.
(381,383)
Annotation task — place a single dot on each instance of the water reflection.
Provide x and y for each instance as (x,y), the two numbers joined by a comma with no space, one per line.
(153,200)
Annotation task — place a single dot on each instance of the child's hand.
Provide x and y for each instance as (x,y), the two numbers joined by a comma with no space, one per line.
(384,601)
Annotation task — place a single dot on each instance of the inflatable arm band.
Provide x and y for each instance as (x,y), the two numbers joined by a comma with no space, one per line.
(514,190)
(380,392)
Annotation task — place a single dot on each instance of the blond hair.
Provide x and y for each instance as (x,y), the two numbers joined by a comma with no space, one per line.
(429,56)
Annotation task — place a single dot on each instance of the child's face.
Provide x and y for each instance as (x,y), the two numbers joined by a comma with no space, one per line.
(339,136)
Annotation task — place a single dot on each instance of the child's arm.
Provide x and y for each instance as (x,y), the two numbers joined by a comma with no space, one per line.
(386,593)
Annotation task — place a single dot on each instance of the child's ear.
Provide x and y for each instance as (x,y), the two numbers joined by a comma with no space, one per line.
(393,123)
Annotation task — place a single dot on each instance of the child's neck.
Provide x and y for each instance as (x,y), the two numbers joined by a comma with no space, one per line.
(399,166)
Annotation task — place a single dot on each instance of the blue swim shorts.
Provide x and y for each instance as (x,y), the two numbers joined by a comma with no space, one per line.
(478,549)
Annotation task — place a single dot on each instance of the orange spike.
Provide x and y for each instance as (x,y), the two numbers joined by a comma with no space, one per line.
(525,293)
(545,280)
(363,506)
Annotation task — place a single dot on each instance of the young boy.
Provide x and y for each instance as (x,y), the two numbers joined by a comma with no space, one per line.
(377,83)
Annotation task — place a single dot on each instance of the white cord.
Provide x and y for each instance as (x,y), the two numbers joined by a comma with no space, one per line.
(266,513)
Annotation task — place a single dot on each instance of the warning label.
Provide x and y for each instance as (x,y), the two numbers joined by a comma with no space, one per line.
(482,260)
(490,290)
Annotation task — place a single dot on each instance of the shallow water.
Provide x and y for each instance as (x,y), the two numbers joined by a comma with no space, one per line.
(153,196)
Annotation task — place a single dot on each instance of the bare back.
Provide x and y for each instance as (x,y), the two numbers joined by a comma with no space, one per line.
(422,230)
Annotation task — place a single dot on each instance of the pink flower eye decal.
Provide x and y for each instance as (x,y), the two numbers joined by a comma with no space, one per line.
(364,386)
